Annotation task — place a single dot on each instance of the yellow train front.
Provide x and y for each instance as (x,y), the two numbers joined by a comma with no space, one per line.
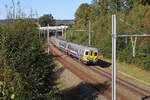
(90,55)
(83,53)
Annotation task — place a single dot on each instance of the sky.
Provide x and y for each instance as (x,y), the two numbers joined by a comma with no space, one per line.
(60,9)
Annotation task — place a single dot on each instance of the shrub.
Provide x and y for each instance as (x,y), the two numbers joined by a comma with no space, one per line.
(22,52)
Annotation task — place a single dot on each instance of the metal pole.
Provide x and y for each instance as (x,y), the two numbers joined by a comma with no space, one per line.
(126,40)
(39,34)
(65,34)
(62,32)
(44,34)
(48,38)
(56,34)
(133,41)
(113,57)
(71,35)
(89,33)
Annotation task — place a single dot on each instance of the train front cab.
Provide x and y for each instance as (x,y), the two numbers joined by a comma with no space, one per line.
(90,56)
(86,56)
(93,56)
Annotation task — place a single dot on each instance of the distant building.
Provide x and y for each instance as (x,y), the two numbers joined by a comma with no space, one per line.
(64,22)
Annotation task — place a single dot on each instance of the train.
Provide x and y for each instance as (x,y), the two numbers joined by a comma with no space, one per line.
(83,53)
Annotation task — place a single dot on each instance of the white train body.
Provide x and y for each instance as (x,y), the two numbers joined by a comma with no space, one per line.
(83,53)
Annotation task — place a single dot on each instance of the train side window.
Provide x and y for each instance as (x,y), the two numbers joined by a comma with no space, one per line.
(86,53)
(95,54)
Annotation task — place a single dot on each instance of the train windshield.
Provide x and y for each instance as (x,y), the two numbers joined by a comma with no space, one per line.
(95,54)
(86,53)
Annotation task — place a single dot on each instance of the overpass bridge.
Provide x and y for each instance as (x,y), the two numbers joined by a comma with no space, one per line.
(52,29)
(43,31)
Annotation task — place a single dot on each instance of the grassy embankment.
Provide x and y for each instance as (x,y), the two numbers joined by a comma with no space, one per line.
(131,70)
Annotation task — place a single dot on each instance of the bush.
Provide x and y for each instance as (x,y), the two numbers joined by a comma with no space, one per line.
(22,52)
(10,84)
(6,94)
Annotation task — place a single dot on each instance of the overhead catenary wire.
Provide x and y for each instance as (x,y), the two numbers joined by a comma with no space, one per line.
(136,29)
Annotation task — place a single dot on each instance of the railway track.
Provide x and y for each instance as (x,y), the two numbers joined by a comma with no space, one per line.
(123,82)
(102,87)
(132,87)
(138,90)
(86,77)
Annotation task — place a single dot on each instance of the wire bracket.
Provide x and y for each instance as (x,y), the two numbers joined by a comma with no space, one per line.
(126,40)
(133,41)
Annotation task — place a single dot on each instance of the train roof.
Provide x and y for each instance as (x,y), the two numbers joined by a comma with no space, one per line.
(76,45)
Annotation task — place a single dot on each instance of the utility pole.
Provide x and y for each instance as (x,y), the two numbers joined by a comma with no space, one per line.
(133,41)
(65,34)
(114,38)
(113,57)
(48,38)
(89,31)
(56,34)
(71,35)
(39,34)
(62,32)
(44,34)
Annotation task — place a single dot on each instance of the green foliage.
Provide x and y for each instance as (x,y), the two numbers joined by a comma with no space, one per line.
(82,15)
(6,94)
(146,62)
(22,51)
(146,19)
(46,19)
(10,84)
(1,28)
(14,44)
(132,18)
(39,77)
(145,2)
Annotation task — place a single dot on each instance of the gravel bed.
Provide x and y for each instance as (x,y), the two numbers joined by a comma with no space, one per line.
(73,88)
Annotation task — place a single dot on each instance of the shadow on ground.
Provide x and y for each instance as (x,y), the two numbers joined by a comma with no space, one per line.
(103,64)
(84,92)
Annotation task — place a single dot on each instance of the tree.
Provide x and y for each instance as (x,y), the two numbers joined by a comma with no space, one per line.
(95,1)
(146,20)
(22,52)
(133,18)
(82,15)
(46,19)
(144,2)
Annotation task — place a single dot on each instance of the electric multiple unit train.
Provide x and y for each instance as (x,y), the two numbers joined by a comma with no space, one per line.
(85,54)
